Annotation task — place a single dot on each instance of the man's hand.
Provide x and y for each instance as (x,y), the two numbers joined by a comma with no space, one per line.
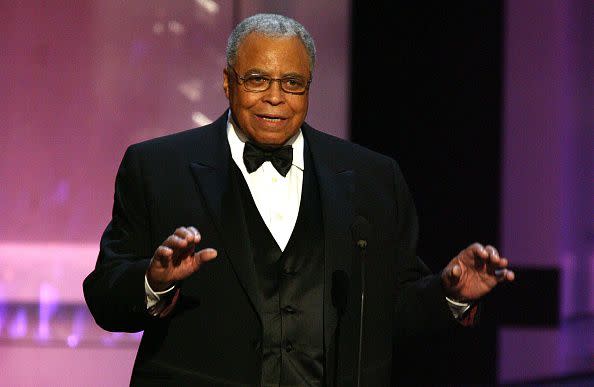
(474,272)
(175,259)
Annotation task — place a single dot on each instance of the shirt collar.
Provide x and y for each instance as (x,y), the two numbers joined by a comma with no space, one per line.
(237,142)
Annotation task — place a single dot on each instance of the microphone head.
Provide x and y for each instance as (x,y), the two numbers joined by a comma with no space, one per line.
(361,230)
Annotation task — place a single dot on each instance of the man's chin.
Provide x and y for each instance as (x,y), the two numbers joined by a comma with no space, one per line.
(272,141)
(270,144)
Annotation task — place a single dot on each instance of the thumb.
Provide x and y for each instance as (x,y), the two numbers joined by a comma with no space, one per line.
(452,274)
(204,255)
(456,272)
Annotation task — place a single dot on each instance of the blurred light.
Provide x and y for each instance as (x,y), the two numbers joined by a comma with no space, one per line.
(112,338)
(176,27)
(191,89)
(43,331)
(78,324)
(158,28)
(72,341)
(70,263)
(209,6)
(48,304)
(2,316)
(200,119)
(18,328)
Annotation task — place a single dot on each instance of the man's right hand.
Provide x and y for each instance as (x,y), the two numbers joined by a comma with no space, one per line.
(175,259)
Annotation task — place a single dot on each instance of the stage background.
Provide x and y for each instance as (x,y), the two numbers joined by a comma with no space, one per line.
(80,82)
(487,106)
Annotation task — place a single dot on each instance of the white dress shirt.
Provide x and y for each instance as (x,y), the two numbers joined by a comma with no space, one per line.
(277,197)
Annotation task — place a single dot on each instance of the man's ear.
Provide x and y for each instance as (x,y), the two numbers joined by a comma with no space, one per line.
(226,82)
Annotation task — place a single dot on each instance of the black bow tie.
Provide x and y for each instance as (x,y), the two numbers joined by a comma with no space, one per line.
(281,158)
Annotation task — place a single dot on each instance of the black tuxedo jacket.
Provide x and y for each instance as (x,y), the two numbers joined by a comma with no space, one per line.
(211,337)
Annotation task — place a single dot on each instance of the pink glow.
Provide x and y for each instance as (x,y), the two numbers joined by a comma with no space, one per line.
(58,268)
(81,82)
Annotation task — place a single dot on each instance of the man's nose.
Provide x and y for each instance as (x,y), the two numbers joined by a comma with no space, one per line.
(275,94)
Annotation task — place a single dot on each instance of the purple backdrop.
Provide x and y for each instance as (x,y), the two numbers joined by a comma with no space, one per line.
(548,170)
(80,82)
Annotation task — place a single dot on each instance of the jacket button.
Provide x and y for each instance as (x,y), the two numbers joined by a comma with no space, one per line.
(289,309)
(288,346)
(288,273)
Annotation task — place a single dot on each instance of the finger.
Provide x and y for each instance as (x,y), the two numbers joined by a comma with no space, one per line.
(452,274)
(504,275)
(192,233)
(492,250)
(510,275)
(174,242)
(184,233)
(477,249)
(493,254)
(196,234)
(163,254)
(456,271)
(204,255)
(501,263)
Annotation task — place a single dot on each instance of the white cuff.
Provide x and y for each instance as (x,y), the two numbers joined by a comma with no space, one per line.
(457,308)
(152,297)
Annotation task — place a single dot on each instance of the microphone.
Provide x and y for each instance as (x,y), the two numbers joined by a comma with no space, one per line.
(360,230)
(340,293)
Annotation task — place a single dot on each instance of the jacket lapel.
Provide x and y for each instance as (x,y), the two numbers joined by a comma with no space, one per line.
(212,172)
(336,184)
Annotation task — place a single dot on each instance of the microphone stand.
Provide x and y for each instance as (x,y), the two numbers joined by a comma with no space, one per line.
(362,245)
(336,338)
(340,288)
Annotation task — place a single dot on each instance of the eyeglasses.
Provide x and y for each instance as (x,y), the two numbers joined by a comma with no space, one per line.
(257,83)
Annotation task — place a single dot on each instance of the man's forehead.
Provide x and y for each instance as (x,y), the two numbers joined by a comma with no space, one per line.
(261,51)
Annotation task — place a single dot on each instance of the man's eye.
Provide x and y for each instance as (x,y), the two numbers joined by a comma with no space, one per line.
(292,82)
(257,79)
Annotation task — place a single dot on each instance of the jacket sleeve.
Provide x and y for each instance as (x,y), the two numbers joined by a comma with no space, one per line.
(421,307)
(114,290)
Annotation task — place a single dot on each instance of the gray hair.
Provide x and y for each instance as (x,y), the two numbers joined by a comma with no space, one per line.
(271,25)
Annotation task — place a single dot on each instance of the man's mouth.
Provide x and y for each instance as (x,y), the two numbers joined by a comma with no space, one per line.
(270,118)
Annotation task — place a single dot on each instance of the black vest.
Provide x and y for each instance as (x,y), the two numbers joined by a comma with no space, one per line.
(292,285)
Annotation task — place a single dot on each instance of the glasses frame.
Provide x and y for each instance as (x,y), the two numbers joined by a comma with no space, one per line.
(270,80)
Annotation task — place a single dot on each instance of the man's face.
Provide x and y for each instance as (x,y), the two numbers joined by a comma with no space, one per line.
(273,116)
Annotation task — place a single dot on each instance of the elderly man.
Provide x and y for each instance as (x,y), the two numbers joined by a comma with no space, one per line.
(259,251)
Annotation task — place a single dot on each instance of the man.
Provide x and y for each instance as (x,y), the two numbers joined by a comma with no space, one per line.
(241,248)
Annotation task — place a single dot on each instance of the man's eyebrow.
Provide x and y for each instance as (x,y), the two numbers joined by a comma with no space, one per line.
(266,73)
(294,75)
(256,71)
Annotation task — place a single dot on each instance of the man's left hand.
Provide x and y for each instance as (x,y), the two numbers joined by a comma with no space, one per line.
(474,272)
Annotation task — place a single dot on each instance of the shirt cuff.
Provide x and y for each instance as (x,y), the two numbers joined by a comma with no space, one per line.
(457,308)
(152,297)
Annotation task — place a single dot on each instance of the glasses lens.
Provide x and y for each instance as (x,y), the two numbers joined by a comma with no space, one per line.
(293,85)
(256,82)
